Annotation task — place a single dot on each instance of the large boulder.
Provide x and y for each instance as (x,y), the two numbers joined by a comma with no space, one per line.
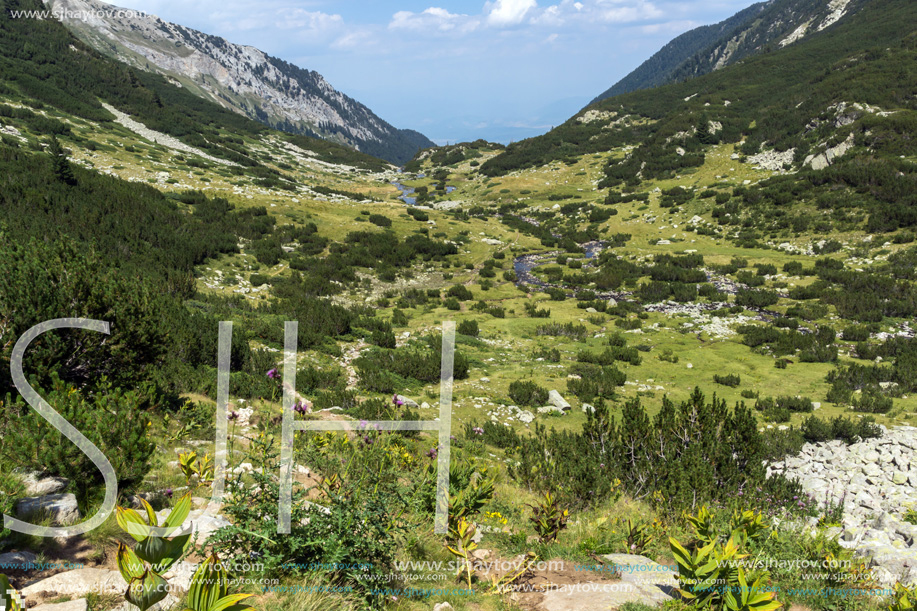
(77,583)
(12,560)
(80,604)
(60,508)
(555,399)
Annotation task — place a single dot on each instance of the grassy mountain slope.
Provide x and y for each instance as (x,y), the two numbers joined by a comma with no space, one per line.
(761,28)
(769,98)
(43,61)
(662,66)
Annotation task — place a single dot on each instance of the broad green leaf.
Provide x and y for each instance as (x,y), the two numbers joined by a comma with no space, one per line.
(152,549)
(208,585)
(175,550)
(179,513)
(150,513)
(228,601)
(129,564)
(147,590)
(681,554)
(131,523)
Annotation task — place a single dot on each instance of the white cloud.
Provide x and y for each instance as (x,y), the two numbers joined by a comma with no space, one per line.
(433,19)
(551,16)
(313,21)
(509,12)
(639,11)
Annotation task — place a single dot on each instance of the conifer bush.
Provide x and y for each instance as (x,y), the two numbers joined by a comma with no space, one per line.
(111,418)
(468,327)
(690,453)
(732,380)
(528,393)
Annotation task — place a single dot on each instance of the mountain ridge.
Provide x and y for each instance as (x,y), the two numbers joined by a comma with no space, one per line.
(753,30)
(238,77)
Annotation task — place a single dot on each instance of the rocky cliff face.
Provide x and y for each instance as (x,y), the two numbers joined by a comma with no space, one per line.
(239,77)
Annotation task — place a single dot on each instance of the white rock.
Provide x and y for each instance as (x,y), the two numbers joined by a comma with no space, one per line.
(555,399)
(61,508)
(35,485)
(80,604)
(79,582)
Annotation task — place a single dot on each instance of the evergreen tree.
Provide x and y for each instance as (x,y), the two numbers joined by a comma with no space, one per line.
(704,135)
(61,165)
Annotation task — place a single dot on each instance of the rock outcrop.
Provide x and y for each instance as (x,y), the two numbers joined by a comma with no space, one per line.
(875,481)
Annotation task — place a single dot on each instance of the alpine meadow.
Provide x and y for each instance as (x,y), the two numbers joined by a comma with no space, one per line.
(661,356)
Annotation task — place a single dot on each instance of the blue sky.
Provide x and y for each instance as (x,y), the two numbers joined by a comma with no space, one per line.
(456,70)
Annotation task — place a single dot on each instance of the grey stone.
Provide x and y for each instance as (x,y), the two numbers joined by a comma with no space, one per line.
(179,576)
(164,605)
(550,409)
(11,560)
(555,399)
(36,485)
(442,607)
(60,508)
(78,582)
(80,604)
(407,402)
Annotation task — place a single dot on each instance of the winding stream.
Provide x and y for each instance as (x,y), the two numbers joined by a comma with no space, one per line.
(523,266)
(407,192)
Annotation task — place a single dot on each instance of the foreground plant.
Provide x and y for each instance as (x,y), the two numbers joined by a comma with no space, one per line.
(713,578)
(10,599)
(209,589)
(905,598)
(504,585)
(638,535)
(196,467)
(462,534)
(142,567)
(549,518)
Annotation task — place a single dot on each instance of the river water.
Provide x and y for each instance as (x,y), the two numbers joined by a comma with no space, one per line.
(407,192)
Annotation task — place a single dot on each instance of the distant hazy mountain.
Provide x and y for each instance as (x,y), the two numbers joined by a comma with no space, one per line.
(241,78)
(760,28)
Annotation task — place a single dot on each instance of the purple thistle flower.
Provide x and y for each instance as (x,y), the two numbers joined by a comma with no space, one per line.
(168,492)
(432,453)
(363,424)
(397,401)
(233,415)
(272,374)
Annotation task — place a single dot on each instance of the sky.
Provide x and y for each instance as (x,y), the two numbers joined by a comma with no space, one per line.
(456,70)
